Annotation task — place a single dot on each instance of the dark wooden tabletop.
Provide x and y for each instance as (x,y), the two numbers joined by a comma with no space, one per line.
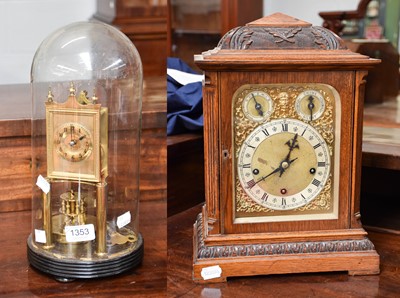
(180,284)
(381,138)
(18,279)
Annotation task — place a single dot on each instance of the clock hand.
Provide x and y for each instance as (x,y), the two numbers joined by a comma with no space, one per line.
(311,106)
(281,169)
(257,106)
(278,169)
(292,143)
(285,165)
(73,142)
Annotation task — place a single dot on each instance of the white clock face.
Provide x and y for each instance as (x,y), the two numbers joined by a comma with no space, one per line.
(310,105)
(283,164)
(257,106)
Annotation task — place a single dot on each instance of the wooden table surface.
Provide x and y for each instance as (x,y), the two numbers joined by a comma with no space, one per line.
(18,279)
(381,138)
(180,284)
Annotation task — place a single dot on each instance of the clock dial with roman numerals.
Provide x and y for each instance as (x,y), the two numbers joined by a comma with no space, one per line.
(283,164)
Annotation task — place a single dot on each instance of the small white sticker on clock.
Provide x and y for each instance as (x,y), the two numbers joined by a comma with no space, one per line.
(211,272)
(40,236)
(124,219)
(43,184)
(80,233)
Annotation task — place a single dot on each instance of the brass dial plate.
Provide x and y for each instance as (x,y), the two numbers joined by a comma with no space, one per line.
(73,142)
(297,194)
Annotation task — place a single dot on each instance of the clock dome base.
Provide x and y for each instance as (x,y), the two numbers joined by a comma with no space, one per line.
(70,269)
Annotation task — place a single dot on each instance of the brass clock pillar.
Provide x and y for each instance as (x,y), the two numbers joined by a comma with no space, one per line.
(283,106)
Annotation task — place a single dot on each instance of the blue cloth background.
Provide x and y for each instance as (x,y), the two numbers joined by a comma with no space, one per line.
(184,102)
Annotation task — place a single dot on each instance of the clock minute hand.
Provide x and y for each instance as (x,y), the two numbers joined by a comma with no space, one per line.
(273,172)
(281,169)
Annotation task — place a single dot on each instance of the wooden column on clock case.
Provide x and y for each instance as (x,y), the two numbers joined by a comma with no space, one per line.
(212,150)
(284,51)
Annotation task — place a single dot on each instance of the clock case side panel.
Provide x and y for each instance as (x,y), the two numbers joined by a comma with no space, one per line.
(230,82)
(360,84)
(211,210)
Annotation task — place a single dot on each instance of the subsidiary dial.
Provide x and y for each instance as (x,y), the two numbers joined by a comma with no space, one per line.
(283,164)
(310,105)
(73,142)
(257,106)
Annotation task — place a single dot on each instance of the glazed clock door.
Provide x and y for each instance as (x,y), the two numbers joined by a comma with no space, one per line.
(285,146)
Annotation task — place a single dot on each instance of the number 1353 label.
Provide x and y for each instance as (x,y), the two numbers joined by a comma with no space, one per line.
(80,233)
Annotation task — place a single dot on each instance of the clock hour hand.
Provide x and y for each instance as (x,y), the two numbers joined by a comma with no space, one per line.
(292,143)
(257,106)
(74,142)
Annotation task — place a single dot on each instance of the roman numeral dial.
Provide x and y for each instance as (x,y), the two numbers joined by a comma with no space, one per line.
(285,168)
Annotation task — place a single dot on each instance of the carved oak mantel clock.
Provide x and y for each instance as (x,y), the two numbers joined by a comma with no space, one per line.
(283,105)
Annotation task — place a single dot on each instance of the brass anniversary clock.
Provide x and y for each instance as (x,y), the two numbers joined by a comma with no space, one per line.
(283,104)
(86,109)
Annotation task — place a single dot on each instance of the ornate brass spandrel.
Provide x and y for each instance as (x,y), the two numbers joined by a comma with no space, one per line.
(284,97)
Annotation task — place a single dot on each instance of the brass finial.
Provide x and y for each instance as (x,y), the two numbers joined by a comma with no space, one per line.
(50,95)
(94,97)
(71,89)
(83,99)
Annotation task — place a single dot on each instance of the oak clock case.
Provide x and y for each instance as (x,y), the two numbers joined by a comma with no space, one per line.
(282,104)
(86,108)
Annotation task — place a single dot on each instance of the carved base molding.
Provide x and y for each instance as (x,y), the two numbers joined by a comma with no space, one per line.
(356,256)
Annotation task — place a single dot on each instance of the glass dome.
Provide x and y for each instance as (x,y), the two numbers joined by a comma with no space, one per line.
(86,83)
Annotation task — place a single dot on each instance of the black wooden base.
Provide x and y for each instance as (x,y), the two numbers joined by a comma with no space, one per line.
(67,270)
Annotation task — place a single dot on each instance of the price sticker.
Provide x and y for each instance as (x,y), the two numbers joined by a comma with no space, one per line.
(40,236)
(43,184)
(80,233)
(211,272)
(123,219)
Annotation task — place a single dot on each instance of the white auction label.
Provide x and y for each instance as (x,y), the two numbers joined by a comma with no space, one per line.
(80,233)
(124,219)
(211,272)
(43,184)
(40,236)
